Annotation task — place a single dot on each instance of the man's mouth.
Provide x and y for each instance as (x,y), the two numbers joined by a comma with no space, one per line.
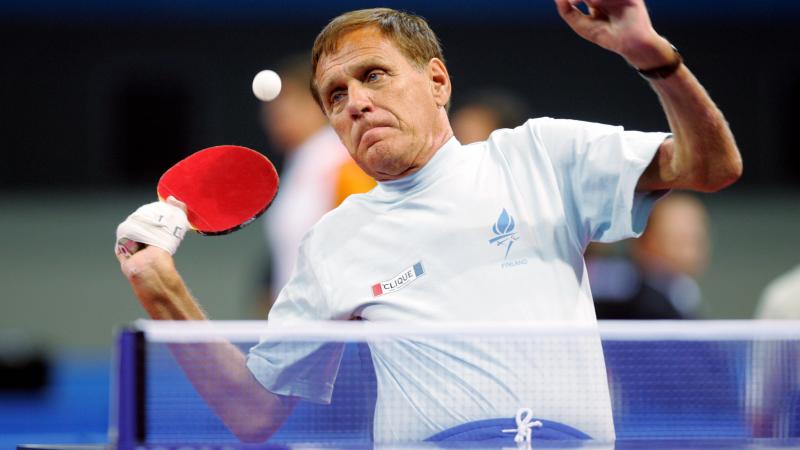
(372,135)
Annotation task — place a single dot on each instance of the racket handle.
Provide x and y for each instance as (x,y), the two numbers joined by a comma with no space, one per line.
(128,247)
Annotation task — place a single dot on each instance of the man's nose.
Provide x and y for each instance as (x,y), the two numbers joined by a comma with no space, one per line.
(358,101)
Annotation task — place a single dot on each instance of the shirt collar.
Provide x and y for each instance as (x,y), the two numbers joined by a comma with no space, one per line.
(434,169)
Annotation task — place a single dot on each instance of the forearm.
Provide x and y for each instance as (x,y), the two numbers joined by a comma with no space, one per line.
(216,370)
(703,155)
(219,374)
(158,286)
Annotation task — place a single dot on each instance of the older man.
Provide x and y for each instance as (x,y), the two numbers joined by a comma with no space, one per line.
(490,231)
(317,170)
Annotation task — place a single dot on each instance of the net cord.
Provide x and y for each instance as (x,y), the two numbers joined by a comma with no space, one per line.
(347,331)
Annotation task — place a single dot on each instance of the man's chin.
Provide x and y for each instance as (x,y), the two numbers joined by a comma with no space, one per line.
(394,173)
(384,162)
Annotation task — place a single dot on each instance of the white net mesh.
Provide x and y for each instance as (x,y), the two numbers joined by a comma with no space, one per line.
(399,383)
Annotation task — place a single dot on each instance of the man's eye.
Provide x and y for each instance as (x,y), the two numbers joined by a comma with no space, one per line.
(336,97)
(375,75)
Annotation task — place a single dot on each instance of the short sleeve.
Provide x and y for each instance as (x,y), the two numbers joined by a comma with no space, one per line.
(299,369)
(598,167)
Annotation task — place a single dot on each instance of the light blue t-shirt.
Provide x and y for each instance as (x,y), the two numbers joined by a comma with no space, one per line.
(492,231)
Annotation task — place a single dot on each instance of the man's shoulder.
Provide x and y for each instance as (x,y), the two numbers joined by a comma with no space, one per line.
(551,126)
(516,146)
(527,133)
(339,222)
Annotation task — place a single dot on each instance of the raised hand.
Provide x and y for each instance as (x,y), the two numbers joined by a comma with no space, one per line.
(621,26)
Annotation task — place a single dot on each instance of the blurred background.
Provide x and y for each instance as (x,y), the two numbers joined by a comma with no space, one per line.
(98,98)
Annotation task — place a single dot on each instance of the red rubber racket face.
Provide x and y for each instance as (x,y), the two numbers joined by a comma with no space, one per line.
(224,187)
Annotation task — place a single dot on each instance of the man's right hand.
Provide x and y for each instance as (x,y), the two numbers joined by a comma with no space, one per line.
(251,412)
(162,224)
(158,286)
(150,269)
(147,270)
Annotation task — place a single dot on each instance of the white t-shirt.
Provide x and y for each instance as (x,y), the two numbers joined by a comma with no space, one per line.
(492,231)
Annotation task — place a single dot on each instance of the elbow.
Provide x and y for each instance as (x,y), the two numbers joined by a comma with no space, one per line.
(256,415)
(721,173)
(252,437)
(255,425)
(254,431)
(735,170)
(729,173)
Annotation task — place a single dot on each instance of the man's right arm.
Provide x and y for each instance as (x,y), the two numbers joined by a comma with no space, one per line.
(250,411)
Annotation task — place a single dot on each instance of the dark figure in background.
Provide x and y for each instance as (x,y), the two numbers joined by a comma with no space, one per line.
(659,280)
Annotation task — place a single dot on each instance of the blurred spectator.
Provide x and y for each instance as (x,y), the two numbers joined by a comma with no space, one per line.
(781,297)
(487,110)
(317,173)
(658,282)
(773,395)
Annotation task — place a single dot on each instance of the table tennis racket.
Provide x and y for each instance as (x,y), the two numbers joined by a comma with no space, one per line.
(224,188)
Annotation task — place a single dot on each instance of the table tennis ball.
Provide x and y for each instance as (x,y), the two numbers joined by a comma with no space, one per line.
(266,85)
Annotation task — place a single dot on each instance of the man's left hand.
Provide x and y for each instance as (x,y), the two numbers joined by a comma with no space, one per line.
(621,26)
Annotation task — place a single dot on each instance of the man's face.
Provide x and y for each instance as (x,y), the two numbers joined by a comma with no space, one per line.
(387,112)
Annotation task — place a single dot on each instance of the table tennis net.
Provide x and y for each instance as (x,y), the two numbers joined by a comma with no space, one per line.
(364,382)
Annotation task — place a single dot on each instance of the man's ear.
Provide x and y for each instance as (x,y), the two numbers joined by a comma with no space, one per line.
(440,81)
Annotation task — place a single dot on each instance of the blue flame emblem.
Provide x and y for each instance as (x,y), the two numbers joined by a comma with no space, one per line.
(504,232)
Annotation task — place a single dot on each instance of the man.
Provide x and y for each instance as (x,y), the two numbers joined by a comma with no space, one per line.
(490,231)
(317,172)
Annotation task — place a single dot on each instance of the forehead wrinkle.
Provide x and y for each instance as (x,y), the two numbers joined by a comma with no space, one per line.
(346,66)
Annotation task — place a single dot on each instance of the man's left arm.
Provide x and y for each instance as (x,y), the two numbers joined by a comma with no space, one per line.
(702,154)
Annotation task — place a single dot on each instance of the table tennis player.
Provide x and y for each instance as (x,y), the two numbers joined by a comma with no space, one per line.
(489,231)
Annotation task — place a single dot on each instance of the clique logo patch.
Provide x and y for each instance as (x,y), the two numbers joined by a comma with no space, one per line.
(399,281)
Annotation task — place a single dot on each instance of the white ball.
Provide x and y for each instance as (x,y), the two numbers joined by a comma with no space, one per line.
(266,85)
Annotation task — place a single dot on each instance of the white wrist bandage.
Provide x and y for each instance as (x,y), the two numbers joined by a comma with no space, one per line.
(159,223)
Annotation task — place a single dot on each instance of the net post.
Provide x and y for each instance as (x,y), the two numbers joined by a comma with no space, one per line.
(127,425)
